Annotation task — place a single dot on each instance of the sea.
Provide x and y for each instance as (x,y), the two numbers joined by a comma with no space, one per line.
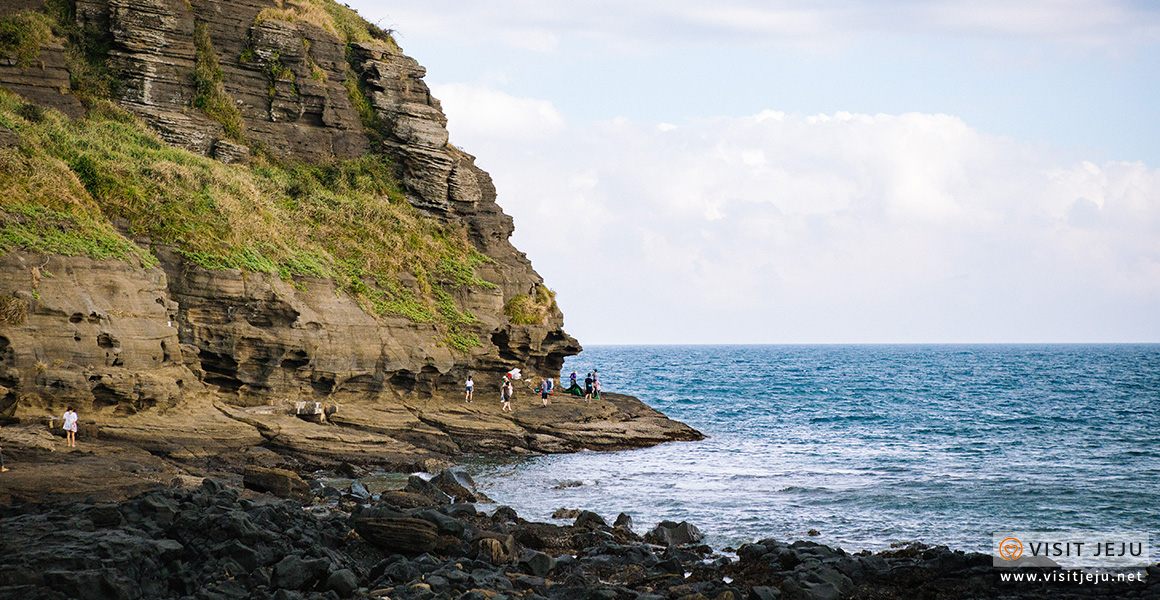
(868,445)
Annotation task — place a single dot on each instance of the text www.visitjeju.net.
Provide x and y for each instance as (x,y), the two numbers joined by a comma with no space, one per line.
(1076,577)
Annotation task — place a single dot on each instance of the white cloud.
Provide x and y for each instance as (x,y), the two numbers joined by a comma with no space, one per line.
(540,25)
(826,228)
(477,111)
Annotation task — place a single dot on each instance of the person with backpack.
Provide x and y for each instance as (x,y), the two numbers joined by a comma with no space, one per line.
(545,390)
(506,393)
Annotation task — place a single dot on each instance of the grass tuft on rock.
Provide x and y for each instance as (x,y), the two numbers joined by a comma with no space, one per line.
(531,310)
(13,310)
(211,97)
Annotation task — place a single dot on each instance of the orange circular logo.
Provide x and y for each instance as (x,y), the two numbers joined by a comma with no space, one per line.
(1011,548)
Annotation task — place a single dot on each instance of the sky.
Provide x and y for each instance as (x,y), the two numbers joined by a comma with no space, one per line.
(827,171)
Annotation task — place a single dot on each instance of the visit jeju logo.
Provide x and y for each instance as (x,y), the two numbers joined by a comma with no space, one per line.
(1011,548)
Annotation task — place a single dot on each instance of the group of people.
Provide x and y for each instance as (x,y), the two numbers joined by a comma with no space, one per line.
(591,384)
(70,431)
(507,389)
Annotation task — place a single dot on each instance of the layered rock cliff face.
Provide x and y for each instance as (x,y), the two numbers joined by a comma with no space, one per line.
(177,357)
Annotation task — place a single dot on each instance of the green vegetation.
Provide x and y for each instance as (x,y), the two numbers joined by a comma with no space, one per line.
(212,99)
(39,229)
(531,310)
(347,220)
(356,92)
(21,35)
(316,71)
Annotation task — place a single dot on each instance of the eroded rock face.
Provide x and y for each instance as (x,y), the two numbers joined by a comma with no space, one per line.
(44,81)
(187,362)
(97,334)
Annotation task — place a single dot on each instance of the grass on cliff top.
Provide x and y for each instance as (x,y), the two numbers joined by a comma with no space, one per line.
(65,183)
(340,20)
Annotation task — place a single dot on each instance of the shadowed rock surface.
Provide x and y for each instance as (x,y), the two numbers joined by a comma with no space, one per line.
(209,541)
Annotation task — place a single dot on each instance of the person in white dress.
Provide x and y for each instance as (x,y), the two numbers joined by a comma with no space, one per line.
(70,426)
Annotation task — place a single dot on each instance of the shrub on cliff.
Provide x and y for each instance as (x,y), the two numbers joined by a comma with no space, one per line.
(531,310)
(21,35)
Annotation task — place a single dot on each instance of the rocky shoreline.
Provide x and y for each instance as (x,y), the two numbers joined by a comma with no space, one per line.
(120,457)
(285,538)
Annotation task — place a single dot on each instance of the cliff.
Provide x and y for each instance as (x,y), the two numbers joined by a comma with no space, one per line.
(212,211)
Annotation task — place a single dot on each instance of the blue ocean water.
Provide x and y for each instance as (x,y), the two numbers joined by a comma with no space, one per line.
(870,444)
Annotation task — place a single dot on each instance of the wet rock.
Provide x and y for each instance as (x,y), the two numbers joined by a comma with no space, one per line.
(457,483)
(623,520)
(589,520)
(418,485)
(505,514)
(668,533)
(545,537)
(459,510)
(358,490)
(105,515)
(566,513)
(351,471)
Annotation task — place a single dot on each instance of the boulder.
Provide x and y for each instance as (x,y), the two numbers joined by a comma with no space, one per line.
(496,548)
(358,490)
(404,536)
(343,582)
(280,482)
(457,483)
(668,533)
(589,520)
(536,563)
(505,514)
(418,485)
(624,521)
(295,573)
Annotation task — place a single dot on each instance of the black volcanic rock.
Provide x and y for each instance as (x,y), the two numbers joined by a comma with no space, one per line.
(185,543)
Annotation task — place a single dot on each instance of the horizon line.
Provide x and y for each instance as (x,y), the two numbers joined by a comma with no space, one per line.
(1156,343)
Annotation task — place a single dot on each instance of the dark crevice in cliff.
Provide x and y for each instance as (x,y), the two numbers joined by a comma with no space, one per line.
(221,371)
